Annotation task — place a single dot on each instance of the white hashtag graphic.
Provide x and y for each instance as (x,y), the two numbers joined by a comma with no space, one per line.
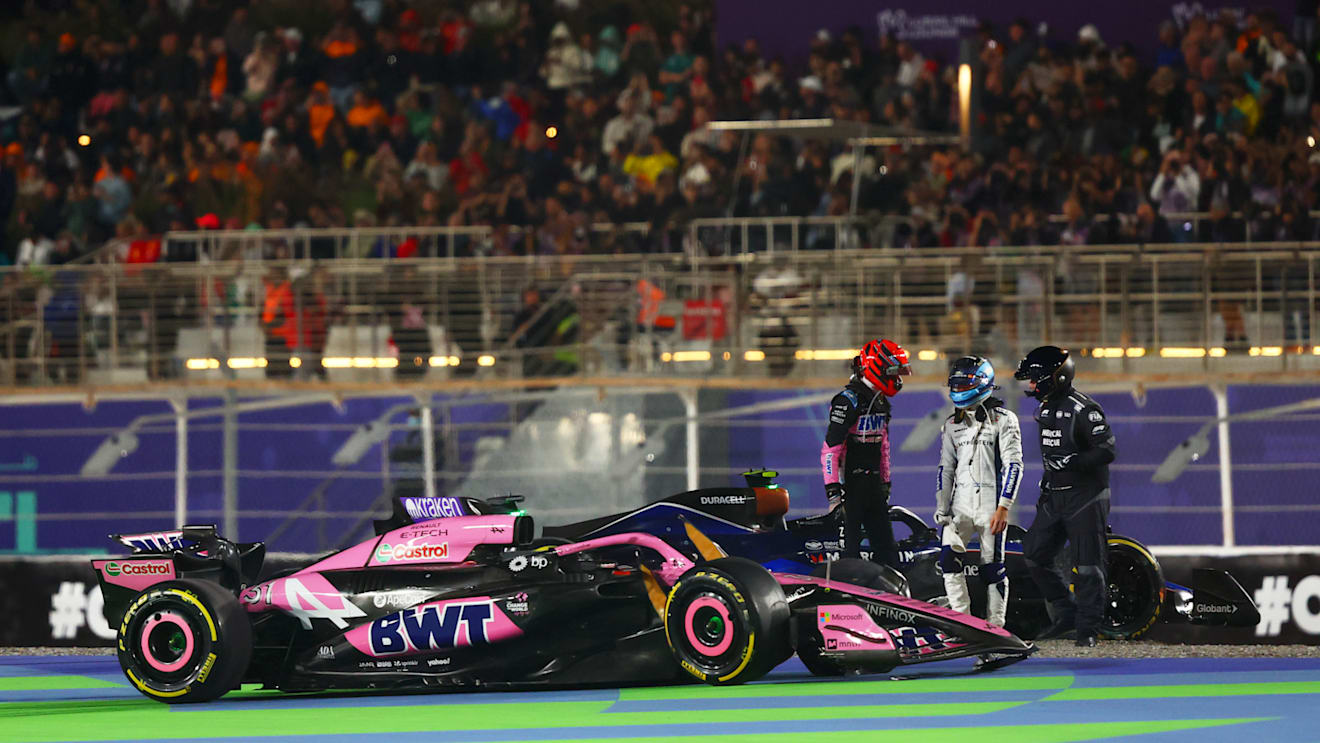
(68,610)
(1272,598)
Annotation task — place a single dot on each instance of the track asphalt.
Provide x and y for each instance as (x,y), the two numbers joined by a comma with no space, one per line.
(86,698)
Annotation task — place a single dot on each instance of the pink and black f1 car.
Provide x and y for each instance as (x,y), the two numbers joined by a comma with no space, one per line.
(474,601)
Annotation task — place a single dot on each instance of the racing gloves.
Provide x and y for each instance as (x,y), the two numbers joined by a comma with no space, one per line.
(834,491)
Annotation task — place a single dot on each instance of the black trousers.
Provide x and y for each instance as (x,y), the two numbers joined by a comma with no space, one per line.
(866,506)
(1080,517)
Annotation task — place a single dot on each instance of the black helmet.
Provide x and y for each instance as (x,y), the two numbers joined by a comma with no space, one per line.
(1050,367)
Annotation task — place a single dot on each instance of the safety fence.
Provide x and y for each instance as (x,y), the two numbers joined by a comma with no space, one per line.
(1177,308)
(309,472)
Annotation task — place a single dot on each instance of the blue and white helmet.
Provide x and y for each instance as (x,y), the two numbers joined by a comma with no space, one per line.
(971,380)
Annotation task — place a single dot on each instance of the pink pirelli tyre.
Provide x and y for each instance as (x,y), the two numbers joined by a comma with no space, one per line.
(184,641)
(727,621)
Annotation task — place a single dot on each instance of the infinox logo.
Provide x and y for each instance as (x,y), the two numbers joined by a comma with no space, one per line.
(115,569)
(412,552)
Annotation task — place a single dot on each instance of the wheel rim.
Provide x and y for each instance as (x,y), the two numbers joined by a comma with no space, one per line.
(167,641)
(709,626)
(1129,590)
(169,646)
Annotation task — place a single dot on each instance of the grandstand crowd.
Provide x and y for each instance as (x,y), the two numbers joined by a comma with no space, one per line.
(137,117)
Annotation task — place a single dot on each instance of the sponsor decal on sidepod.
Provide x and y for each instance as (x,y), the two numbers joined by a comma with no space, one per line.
(412,552)
(137,568)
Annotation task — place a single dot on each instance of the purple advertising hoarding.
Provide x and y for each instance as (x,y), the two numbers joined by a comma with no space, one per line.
(786,27)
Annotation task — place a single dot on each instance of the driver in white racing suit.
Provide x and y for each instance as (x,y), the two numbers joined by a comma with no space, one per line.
(979,473)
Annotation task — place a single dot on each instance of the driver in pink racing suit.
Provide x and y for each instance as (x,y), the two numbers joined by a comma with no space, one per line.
(855,456)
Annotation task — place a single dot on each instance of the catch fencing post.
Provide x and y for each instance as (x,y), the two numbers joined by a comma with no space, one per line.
(689,397)
(428,446)
(1225,463)
(180,461)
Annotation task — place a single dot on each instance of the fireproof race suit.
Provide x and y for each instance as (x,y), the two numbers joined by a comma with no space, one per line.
(980,470)
(856,450)
(1076,447)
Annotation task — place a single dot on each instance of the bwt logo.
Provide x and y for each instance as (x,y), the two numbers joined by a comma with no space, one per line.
(870,423)
(430,628)
(412,552)
(114,569)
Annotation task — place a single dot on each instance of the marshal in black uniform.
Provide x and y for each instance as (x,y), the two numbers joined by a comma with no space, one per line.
(1076,447)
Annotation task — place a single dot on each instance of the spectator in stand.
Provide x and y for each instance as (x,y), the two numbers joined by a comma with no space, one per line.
(677,67)
(113,192)
(1177,186)
(260,67)
(342,64)
(628,128)
(428,165)
(607,60)
(366,112)
(211,108)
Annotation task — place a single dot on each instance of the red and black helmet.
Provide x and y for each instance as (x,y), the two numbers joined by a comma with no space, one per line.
(881,365)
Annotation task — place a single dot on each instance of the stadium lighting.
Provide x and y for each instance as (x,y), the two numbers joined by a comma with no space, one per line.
(926,430)
(551,132)
(84,140)
(125,441)
(367,435)
(115,447)
(965,103)
(1190,450)
(1198,444)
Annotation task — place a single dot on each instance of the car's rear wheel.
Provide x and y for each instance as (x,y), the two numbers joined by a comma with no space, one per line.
(727,621)
(185,641)
(1135,590)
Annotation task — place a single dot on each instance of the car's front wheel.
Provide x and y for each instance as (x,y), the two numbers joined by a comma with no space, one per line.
(727,621)
(184,641)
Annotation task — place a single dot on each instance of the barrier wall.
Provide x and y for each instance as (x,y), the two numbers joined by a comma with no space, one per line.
(289,492)
(55,601)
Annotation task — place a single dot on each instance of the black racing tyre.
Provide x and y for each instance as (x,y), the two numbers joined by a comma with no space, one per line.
(1135,590)
(185,641)
(866,574)
(727,621)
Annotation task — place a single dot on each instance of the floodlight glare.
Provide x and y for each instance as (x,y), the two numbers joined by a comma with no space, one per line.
(926,430)
(1182,455)
(365,437)
(109,453)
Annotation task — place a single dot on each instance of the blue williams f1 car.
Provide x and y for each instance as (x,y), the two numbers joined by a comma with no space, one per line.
(749,522)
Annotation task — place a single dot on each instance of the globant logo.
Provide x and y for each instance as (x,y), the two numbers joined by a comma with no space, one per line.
(114,569)
(412,552)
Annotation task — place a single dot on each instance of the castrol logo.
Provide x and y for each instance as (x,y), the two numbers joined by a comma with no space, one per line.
(412,552)
(115,569)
